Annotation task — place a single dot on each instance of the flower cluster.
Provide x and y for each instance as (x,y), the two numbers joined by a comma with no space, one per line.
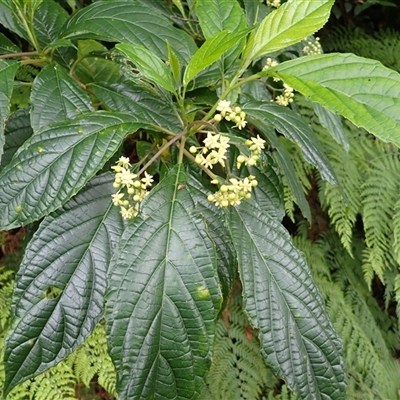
(286,97)
(270,63)
(255,146)
(232,193)
(312,47)
(132,190)
(274,3)
(230,113)
(213,152)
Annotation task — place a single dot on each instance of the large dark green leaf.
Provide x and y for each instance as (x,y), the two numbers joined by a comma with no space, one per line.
(122,21)
(56,97)
(333,123)
(56,163)
(283,302)
(18,129)
(282,157)
(294,128)
(95,69)
(59,291)
(359,89)
(7,73)
(220,15)
(8,20)
(163,297)
(140,101)
(218,232)
(48,20)
(7,46)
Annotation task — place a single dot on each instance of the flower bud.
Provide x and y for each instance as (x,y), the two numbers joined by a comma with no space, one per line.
(251,161)
(224,188)
(217,117)
(241,159)
(131,190)
(210,197)
(193,149)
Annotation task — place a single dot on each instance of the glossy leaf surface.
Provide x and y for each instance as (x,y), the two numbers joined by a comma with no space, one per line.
(18,129)
(59,292)
(138,100)
(56,163)
(295,129)
(7,72)
(218,231)
(122,21)
(151,66)
(48,20)
(283,302)
(359,89)
(56,97)
(333,123)
(163,297)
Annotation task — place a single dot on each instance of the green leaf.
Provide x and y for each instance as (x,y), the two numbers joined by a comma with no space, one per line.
(59,291)
(268,194)
(163,297)
(95,69)
(141,101)
(18,129)
(220,15)
(282,157)
(333,123)
(8,20)
(48,20)
(211,50)
(7,46)
(361,90)
(58,44)
(56,97)
(174,64)
(7,73)
(122,21)
(151,66)
(291,124)
(283,302)
(218,232)
(34,4)
(288,25)
(56,163)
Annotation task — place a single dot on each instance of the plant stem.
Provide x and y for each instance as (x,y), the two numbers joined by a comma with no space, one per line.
(159,152)
(233,85)
(22,54)
(206,170)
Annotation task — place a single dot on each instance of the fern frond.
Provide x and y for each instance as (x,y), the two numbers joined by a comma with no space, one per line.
(92,360)
(383,46)
(238,370)
(367,358)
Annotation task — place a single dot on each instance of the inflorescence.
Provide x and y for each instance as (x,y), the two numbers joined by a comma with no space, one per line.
(214,149)
(132,189)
